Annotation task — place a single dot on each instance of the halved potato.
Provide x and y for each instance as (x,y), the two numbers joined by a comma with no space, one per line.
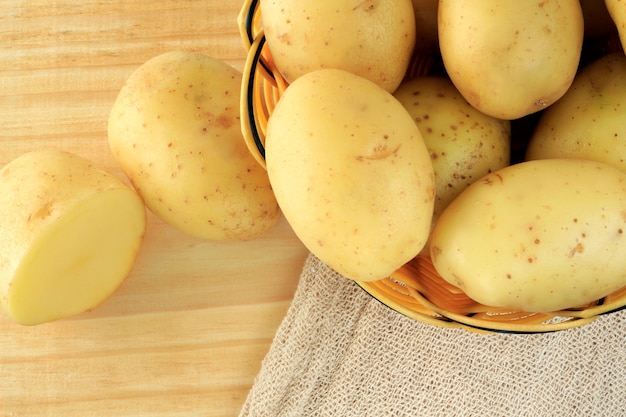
(71,232)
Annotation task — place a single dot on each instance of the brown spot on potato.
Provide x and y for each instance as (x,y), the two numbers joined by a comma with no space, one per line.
(435,251)
(458,281)
(379,152)
(579,248)
(225,121)
(43,212)
(491,179)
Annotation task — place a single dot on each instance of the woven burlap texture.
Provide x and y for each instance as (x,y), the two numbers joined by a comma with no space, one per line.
(340,352)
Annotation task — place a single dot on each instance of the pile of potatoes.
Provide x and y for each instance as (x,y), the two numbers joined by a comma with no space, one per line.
(505,163)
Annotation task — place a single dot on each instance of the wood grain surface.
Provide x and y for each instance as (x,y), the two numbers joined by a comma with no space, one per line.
(187,331)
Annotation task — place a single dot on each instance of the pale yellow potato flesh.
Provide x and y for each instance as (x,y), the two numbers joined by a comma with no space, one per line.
(79,260)
(76,232)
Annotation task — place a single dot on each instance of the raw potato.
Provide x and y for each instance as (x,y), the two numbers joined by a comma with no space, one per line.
(588,122)
(72,233)
(175,131)
(351,173)
(369,38)
(537,236)
(509,58)
(464,144)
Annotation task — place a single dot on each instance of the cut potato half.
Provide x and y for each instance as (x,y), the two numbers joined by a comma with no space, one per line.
(70,235)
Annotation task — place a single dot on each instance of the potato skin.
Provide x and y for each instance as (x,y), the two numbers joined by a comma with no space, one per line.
(37,188)
(38,191)
(464,144)
(588,121)
(351,173)
(174,129)
(370,38)
(509,58)
(537,236)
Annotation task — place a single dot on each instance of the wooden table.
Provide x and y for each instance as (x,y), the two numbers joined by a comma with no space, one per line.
(186,333)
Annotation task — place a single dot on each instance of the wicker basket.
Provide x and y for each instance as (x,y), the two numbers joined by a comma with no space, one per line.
(416,289)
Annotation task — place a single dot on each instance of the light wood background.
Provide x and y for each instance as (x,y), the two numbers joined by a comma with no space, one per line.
(186,333)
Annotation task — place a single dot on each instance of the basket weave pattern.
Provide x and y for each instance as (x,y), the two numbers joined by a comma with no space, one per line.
(416,289)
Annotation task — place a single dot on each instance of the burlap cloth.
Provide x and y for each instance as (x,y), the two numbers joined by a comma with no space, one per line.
(339,352)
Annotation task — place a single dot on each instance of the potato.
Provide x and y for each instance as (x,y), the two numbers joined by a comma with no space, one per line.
(369,38)
(351,173)
(509,58)
(175,131)
(72,232)
(588,122)
(464,144)
(537,236)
